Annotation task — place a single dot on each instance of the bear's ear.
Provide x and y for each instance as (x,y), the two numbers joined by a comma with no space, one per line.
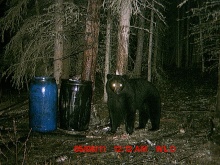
(109,76)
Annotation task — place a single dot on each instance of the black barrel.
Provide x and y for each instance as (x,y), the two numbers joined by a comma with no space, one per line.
(75,104)
(43,101)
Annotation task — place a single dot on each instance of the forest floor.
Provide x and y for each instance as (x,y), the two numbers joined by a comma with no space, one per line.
(185,135)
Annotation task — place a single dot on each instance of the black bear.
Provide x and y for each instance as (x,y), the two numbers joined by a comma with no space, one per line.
(125,96)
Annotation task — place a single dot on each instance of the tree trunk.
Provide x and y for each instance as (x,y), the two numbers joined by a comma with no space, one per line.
(151,43)
(108,51)
(58,46)
(91,39)
(66,57)
(218,93)
(201,51)
(216,119)
(178,40)
(140,44)
(66,65)
(180,29)
(201,45)
(187,62)
(156,48)
(123,37)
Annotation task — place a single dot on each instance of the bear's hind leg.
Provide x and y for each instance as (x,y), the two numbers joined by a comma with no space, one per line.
(143,116)
(155,125)
(155,113)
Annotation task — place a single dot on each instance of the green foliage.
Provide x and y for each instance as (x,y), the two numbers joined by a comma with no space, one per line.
(30,51)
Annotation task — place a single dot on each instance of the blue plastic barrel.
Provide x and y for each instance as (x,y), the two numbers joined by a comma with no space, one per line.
(43,100)
(75,104)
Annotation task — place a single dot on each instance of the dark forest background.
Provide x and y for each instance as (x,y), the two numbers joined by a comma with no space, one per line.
(173,43)
(140,38)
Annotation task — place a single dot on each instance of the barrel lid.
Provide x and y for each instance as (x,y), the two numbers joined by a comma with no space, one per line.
(75,82)
(43,78)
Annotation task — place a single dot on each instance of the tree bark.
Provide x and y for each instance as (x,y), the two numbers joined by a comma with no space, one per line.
(123,38)
(151,43)
(178,39)
(201,44)
(156,48)
(140,45)
(187,42)
(66,65)
(58,46)
(218,93)
(91,39)
(108,51)
(180,30)
(217,111)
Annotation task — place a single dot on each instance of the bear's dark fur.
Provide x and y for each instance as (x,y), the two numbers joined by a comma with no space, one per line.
(125,96)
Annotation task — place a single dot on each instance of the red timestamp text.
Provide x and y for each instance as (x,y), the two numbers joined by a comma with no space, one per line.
(91,149)
(121,149)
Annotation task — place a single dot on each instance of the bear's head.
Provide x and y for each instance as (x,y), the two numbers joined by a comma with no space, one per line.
(116,83)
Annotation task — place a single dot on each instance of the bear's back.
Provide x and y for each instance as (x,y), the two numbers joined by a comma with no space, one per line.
(143,90)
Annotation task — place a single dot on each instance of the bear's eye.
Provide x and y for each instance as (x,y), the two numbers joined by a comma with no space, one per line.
(114,85)
(121,85)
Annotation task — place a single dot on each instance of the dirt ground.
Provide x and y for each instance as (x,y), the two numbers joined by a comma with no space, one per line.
(186,135)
